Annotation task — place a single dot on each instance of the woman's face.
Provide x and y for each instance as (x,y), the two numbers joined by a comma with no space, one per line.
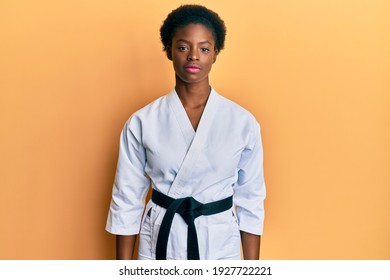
(193,53)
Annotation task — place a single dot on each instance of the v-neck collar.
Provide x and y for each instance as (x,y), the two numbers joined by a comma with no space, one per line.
(183,119)
(196,141)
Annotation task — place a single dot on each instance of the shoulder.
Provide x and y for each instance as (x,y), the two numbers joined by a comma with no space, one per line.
(234,111)
(148,112)
(149,109)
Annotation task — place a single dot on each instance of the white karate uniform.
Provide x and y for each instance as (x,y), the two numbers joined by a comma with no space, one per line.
(224,157)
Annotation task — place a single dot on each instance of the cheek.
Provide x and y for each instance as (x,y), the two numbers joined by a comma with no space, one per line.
(210,63)
(176,66)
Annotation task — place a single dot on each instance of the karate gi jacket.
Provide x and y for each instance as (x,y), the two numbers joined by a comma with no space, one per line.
(223,157)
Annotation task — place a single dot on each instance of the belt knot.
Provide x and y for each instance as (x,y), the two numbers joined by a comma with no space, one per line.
(189,209)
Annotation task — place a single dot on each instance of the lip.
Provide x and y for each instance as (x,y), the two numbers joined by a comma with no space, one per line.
(192,68)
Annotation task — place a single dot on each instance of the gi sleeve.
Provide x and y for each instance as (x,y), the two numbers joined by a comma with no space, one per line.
(131,183)
(249,191)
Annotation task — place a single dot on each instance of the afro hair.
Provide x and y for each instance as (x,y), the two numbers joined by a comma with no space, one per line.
(192,14)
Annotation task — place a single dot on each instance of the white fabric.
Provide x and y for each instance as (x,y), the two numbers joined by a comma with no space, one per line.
(224,157)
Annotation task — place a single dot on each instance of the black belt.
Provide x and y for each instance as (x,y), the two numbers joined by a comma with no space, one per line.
(189,209)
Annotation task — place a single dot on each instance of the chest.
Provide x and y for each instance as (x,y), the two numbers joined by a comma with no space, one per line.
(194,115)
(218,155)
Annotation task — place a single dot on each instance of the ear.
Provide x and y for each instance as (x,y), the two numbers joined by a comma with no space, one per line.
(216,52)
(168,52)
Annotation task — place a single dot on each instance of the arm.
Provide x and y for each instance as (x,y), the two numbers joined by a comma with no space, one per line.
(125,247)
(249,192)
(128,193)
(250,245)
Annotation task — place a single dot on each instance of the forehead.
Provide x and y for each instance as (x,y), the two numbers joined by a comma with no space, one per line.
(194,32)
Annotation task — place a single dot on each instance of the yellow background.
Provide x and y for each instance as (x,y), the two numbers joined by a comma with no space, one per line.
(314,73)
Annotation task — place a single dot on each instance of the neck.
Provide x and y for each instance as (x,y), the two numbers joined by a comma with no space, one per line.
(193,95)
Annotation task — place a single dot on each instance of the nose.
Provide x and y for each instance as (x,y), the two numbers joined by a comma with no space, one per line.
(193,55)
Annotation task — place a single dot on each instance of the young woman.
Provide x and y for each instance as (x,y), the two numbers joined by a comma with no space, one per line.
(200,152)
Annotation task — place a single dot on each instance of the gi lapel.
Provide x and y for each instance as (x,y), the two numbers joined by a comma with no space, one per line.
(196,143)
(181,117)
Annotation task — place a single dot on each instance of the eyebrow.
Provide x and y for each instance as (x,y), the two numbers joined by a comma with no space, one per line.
(186,41)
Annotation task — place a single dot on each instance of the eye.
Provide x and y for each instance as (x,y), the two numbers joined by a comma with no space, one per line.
(182,48)
(205,50)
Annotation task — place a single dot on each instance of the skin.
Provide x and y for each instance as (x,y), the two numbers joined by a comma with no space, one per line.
(193,45)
